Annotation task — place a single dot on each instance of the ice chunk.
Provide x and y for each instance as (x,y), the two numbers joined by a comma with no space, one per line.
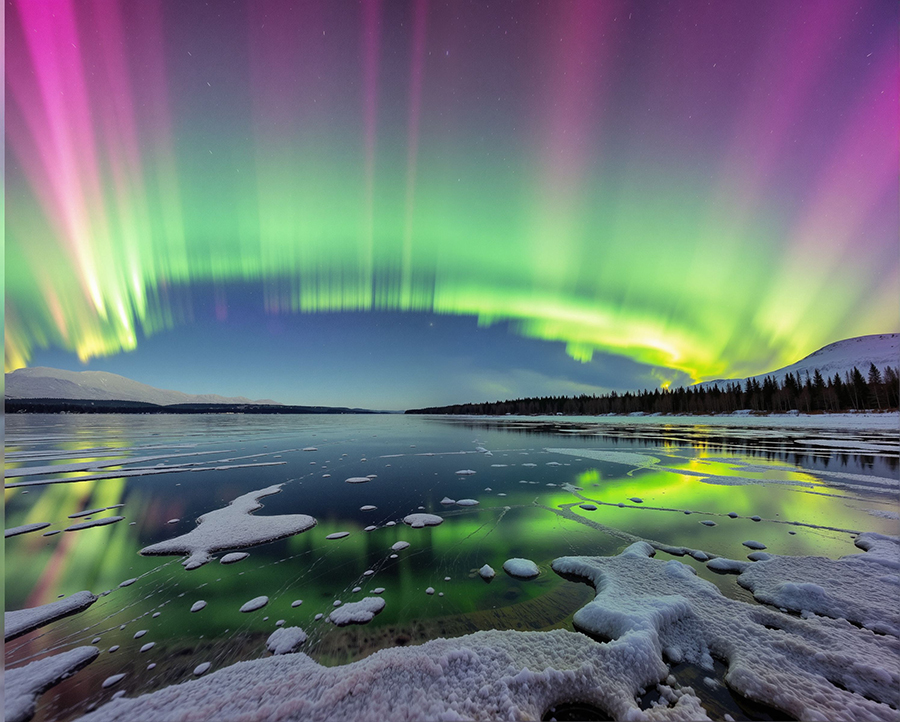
(486,573)
(127,582)
(296,602)
(721,564)
(360,612)
(708,522)
(201,669)
(447,501)
(309,448)
(285,640)
(371,527)
(233,557)
(417,521)
(368,507)
(399,546)
(25,528)
(147,647)
(198,605)
(357,480)
(521,568)
(23,685)
(429,590)
(254,604)
(338,535)
(20,621)
(114,679)
(231,527)
(465,472)
(94,522)
(467,502)
(140,633)
(751,544)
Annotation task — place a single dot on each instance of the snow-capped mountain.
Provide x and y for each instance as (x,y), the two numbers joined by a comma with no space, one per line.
(47,383)
(836,358)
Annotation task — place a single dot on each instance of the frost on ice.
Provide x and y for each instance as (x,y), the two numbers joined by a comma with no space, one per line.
(813,669)
(232,527)
(486,675)
(23,685)
(360,612)
(21,621)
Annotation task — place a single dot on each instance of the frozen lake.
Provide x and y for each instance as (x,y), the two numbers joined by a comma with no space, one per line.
(86,494)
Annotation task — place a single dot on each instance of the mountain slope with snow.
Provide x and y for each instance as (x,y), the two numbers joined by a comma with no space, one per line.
(47,383)
(835,358)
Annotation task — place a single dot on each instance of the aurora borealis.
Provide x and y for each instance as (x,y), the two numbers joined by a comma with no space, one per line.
(707,190)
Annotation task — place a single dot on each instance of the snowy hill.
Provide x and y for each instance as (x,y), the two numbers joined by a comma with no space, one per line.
(839,357)
(41,382)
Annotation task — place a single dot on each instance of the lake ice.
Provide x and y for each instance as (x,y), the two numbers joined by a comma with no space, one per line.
(649,614)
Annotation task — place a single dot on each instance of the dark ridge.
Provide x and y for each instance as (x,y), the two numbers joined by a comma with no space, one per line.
(87,406)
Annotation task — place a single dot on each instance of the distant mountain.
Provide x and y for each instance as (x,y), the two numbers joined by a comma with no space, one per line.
(46,383)
(835,358)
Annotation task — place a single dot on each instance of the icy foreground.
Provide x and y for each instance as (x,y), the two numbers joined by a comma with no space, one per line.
(653,611)
(23,685)
(233,527)
(21,621)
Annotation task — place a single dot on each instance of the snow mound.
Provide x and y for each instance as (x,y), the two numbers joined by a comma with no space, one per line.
(467,502)
(25,528)
(338,535)
(493,675)
(285,640)
(23,685)
(486,573)
(360,612)
(847,588)
(417,521)
(254,604)
(812,669)
(231,527)
(22,621)
(521,568)
(233,557)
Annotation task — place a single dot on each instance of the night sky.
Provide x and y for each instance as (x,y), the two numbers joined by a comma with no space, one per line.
(394,204)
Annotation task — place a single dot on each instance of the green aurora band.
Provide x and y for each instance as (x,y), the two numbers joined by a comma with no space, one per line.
(537,195)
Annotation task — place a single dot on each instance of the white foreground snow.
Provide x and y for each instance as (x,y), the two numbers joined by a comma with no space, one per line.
(813,669)
(485,676)
(232,527)
(21,621)
(23,685)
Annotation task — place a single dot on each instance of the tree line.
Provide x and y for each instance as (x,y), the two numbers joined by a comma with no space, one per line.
(809,393)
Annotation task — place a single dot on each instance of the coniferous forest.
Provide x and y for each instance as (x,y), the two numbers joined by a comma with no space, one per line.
(808,393)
